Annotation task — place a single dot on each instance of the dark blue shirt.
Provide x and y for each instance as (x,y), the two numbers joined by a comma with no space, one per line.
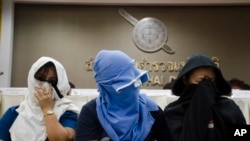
(90,128)
(68,119)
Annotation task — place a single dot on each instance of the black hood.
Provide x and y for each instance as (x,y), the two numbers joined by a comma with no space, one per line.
(198,60)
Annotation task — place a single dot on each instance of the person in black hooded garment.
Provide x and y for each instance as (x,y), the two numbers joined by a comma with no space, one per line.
(202,112)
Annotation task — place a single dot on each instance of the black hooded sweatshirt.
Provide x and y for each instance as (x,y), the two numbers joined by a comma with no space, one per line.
(202,112)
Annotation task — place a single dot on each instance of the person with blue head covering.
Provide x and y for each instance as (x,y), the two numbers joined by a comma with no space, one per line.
(120,112)
(203,111)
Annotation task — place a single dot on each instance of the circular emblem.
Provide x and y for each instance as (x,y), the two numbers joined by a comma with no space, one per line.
(150,34)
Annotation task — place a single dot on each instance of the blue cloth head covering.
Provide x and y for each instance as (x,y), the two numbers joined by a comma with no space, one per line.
(123,112)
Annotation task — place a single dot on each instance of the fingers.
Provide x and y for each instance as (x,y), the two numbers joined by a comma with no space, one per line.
(43,93)
(44,97)
(44,89)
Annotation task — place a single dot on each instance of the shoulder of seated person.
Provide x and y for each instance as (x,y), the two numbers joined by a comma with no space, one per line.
(91,103)
(13,108)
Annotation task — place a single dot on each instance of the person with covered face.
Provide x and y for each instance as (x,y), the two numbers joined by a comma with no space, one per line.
(202,112)
(120,112)
(44,114)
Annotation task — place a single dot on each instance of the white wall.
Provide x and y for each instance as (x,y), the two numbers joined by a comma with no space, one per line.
(6,43)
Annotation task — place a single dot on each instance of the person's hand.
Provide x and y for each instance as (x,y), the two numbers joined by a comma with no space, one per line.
(44,97)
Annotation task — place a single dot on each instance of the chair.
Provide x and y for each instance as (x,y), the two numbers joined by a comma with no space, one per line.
(9,100)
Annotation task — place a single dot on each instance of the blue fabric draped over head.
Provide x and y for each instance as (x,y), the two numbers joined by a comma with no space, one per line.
(123,112)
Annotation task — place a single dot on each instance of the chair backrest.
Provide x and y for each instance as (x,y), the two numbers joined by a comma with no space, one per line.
(78,100)
(14,96)
(8,100)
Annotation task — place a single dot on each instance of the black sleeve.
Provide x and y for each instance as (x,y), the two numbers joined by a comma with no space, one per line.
(89,127)
(231,112)
(199,113)
(203,119)
(159,130)
(239,118)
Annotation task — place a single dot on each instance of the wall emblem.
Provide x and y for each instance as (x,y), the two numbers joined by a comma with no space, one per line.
(149,34)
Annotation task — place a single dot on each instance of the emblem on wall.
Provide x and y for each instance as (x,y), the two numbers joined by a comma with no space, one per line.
(149,34)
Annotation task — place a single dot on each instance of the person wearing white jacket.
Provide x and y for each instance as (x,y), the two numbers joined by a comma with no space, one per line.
(44,114)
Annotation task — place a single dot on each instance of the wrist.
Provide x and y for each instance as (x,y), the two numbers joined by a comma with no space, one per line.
(48,112)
